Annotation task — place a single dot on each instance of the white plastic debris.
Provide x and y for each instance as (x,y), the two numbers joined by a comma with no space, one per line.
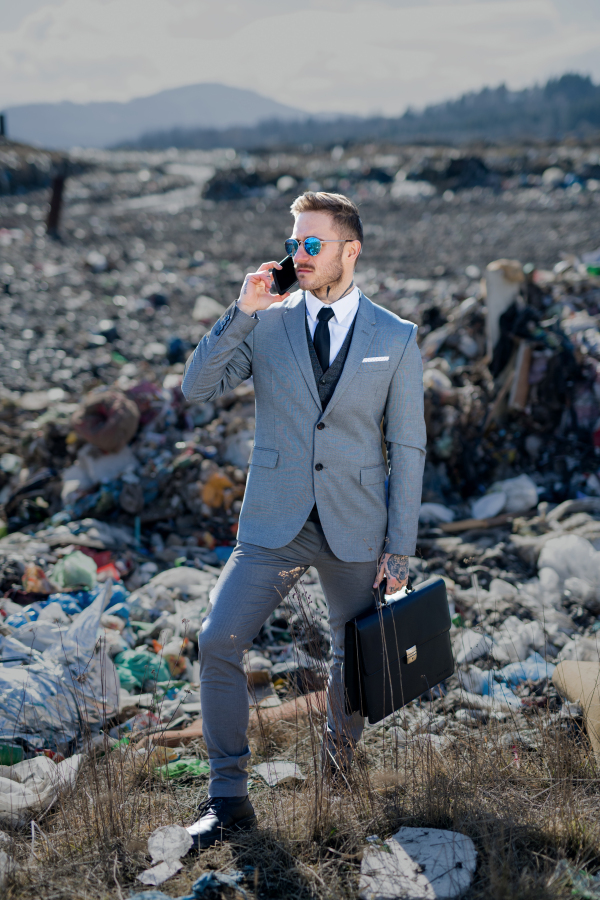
(515,495)
(279,772)
(503,280)
(6,866)
(33,785)
(169,842)
(418,864)
(521,493)
(515,638)
(470,645)
(489,505)
(166,846)
(161,872)
(581,649)
(571,556)
(432,513)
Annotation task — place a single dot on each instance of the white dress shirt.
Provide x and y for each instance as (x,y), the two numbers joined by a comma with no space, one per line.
(344,311)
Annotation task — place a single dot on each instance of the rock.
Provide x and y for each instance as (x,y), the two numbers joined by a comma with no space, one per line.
(418,864)
(207,309)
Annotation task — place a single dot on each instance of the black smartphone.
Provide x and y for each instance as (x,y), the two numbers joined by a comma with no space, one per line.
(284,279)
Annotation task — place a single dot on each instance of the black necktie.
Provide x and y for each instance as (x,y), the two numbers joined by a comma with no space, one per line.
(321,338)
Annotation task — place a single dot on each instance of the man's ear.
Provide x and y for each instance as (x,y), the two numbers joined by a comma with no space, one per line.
(359,249)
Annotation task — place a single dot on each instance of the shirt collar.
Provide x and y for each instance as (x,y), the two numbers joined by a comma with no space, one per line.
(341,308)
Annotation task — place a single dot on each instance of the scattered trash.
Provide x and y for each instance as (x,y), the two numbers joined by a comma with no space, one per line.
(214,882)
(418,863)
(184,769)
(582,885)
(278,772)
(166,846)
(107,473)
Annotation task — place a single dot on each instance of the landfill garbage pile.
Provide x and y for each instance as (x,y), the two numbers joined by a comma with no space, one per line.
(120,501)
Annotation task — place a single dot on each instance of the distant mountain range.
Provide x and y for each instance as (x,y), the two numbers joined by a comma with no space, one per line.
(564,106)
(205,116)
(64,125)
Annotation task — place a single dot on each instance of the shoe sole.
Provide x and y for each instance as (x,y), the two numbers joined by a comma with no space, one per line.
(246,824)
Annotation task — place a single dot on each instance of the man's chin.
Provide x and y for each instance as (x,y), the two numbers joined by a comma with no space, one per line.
(306,280)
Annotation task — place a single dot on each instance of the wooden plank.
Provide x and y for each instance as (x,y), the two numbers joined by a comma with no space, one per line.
(289,711)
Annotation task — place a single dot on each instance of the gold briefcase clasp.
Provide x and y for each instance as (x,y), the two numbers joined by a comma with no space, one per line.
(411,654)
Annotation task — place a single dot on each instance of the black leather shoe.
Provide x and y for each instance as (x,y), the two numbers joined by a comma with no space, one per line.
(218,817)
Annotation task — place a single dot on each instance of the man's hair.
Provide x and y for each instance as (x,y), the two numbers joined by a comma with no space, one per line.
(342,210)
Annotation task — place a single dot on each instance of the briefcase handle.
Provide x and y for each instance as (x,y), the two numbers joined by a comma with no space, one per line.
(380,600)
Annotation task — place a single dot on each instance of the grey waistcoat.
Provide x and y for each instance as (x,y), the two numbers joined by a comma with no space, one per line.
(327,382)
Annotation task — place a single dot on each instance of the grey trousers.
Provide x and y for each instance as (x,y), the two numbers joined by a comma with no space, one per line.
(251,586)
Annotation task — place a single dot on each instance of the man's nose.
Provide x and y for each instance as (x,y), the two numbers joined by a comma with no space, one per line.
(301,253)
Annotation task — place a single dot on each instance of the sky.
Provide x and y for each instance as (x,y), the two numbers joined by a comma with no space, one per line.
(348,56)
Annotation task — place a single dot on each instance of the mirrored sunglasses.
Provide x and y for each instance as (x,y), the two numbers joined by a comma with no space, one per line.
(312,245)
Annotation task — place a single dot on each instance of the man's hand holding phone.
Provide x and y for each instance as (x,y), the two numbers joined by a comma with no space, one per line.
(255,294)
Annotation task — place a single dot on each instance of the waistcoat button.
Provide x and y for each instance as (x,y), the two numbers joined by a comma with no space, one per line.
(318,467)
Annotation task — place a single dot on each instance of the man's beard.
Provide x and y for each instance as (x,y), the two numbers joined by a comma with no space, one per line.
(331,275)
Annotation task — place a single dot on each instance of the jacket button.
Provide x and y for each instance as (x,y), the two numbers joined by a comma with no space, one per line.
(320,426)
(318,467)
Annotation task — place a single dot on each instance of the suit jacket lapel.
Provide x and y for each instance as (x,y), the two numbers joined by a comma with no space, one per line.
(364,331)
(294,321)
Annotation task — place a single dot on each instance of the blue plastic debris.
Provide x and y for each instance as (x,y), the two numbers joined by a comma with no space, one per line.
(223,553)
(534,668)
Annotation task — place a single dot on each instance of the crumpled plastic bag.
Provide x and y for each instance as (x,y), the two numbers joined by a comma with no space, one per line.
(183,769)
(33,785)
(136,667)
(166,846)
(76,570)
(70,685)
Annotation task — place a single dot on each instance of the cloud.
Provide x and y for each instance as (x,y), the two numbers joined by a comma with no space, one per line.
(327,55)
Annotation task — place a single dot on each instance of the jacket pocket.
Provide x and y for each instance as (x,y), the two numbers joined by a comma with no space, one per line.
(262,457)
(370,368)
(373,474)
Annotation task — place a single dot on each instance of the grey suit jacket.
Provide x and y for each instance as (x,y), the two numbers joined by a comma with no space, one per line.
(303,455)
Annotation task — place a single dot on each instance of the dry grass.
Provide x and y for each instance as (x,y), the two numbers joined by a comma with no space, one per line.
(525,809)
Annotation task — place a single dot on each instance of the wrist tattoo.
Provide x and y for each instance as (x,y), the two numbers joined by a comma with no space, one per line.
(397,567)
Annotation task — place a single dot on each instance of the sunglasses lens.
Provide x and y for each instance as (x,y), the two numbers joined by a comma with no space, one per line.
(312,246)
(291,247)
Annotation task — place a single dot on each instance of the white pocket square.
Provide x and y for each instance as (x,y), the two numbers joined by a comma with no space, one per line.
(376,359)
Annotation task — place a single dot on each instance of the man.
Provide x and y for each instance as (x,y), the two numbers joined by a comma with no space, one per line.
(329,366)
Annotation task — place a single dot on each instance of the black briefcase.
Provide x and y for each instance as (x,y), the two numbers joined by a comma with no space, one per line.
(397,651)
